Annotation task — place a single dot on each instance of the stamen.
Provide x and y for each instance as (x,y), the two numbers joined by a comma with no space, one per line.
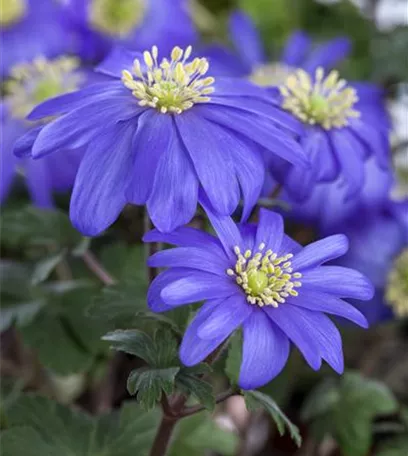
(116,17)
(397,288)
(326,101)
(270,74)
(265,278)
(11,11)
(32,83)
(169,86)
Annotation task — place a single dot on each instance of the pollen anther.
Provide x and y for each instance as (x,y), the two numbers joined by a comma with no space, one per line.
(324,100)
(169,86)
(265,278)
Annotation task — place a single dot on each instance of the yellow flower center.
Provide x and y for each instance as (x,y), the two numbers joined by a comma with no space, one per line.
(116,17)
(169,86)
(270,74)
(266,279)
(11,11)
(326,100)
(35,82)
(397,289)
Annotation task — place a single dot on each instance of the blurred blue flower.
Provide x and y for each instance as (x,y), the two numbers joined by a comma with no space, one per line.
(137,24)
(258,278)
(29,29)
(249,57)
(29,84)
(162,133)
(377,238)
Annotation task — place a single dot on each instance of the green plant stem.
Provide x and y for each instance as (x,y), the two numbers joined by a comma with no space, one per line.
(199,408)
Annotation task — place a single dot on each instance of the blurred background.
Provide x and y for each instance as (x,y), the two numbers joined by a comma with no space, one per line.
(60,292)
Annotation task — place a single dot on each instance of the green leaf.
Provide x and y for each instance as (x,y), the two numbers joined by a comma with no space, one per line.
(31,226)
(321,400)
(397,446)
(199,434)
(256,399)
(39,426)
(148,385)
(234,358)
(45,266)
(188,380)
(124,262)
(131,341)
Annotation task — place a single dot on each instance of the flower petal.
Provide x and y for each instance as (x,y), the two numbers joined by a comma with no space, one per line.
(38,181)
(119,59)
(270,230)
(246,38)
(193,350)
(328,54)
(323,302)
(265,351)
(321,251)
(99,190)
(198,286)
(338,281)
(151,141)
(209,148)
(296,48)
(296,327)
(190,257)
(226,318)
(173,200)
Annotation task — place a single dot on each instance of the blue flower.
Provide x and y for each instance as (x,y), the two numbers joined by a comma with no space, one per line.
(29,29)
(249,57)
(29,84)
(137,24)
(328,204)
(257,278)
(161,134)
(377,238)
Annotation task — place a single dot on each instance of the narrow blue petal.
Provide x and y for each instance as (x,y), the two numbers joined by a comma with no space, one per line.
(77,99)
(10,130)
(265,351)
(193,350)
(209,148)
(289,246)
(198,286)
(338,281)
(226,318)
(296,48)
(260,130)
(328,55)
(326,163)
(185,236)
(150,142)
(227,231)
(246,39)
(174,196)
(351,162)
(24,144)
(270,230)
(38,181)
(320,251)
(299,183)
(323,302)
(248,234)
(99,191)
(154,299)
(119,59)
(190,257)
(224,62)
(297,329)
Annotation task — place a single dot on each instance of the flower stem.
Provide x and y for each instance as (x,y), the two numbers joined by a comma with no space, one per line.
(93,265)
(163,436)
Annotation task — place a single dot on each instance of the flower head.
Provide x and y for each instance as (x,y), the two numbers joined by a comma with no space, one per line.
(164,133)
(29,29)
(29,84)
(257,278)
(137,24)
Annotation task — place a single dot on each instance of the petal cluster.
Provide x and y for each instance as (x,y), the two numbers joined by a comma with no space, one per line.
(199,270)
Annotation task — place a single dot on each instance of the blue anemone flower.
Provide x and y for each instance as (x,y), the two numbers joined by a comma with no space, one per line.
(249,57)
(137,24)
(29,29)
(30,83)
(160,134)
(377,237)
(257,278)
